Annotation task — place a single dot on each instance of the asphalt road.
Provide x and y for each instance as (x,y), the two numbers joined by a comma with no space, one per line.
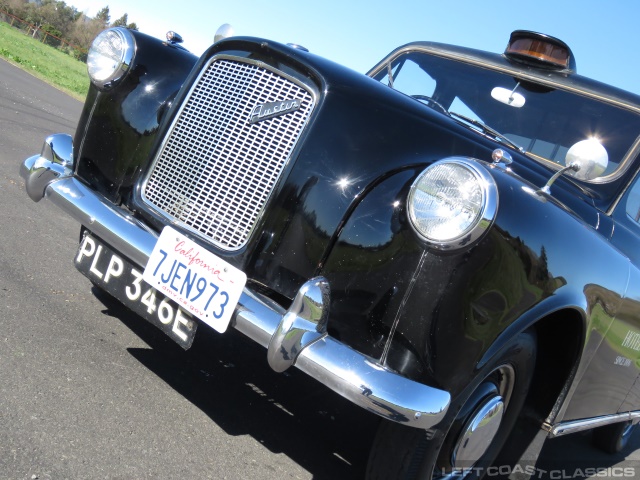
(88,390)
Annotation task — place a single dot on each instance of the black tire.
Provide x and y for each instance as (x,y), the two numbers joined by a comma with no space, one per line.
(494,399)
(613,438)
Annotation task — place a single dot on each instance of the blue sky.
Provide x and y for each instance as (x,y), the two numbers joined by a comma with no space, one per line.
(604,36)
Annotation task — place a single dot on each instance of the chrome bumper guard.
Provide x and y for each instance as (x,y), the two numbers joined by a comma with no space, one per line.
(296,336)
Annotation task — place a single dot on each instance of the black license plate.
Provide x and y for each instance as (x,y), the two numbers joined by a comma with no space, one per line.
(115,274)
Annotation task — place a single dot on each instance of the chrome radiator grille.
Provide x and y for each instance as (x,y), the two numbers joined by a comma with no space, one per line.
(216,169)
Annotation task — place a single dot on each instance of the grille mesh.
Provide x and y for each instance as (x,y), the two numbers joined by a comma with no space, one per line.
(216,170)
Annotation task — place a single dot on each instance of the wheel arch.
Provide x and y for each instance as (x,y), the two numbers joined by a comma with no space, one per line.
(560,342)
(560,339)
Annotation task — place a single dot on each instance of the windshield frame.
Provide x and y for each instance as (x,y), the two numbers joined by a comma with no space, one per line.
(561,81)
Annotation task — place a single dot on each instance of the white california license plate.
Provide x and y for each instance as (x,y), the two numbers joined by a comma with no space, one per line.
(199,281)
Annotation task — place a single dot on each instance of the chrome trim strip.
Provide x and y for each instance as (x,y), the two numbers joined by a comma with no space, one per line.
(294,337)
(574,426)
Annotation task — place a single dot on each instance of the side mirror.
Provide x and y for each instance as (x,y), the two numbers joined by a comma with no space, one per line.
(589,157)
(224,31)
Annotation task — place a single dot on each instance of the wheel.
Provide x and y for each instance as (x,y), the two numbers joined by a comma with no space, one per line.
(476,426)
(613,438)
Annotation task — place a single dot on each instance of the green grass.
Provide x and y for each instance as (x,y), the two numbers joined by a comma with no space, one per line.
(43,61)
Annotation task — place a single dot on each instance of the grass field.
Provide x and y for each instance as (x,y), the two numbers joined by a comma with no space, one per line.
(43,61)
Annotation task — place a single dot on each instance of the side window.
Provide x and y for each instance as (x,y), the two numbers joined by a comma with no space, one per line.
(626,229)
(633,202)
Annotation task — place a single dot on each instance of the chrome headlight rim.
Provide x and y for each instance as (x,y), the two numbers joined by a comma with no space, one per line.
(484,218)
(123,62)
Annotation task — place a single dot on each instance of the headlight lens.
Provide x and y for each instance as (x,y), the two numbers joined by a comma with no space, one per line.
(452,203)
(110,56)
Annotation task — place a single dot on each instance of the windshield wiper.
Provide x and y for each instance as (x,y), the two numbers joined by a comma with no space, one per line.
(486,129)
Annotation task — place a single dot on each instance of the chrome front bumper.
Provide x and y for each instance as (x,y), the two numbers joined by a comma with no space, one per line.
(296,336)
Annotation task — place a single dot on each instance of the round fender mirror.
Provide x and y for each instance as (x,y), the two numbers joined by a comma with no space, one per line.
(591,158)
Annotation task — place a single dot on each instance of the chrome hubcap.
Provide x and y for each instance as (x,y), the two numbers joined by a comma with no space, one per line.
(478,433)
(483,423)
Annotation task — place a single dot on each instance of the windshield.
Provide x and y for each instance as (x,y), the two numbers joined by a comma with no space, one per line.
(543,121)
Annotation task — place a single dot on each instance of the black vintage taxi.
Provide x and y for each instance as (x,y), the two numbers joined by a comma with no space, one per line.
(449,242)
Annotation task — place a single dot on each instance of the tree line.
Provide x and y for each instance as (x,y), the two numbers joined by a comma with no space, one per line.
(64,21)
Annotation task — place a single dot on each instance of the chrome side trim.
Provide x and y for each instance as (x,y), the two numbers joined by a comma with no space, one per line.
(293,337)
(574,426)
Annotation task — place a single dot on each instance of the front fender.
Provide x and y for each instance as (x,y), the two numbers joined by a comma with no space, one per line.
(437,317)
(369,265)
(538,258)
(118,127)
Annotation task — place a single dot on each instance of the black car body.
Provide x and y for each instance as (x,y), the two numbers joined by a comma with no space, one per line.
(400,233)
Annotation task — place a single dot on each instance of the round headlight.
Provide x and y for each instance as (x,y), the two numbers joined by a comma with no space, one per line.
(452,203)
(110,56)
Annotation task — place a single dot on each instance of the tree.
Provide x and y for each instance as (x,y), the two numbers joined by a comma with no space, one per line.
(58,19)
(59,15)
(103,16)
(14,7)
(55,13)
(123,21)
(85,30)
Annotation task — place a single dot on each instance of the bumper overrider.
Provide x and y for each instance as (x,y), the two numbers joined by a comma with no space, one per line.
(296,336)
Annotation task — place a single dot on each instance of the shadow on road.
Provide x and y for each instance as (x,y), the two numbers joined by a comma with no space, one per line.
(228,378)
